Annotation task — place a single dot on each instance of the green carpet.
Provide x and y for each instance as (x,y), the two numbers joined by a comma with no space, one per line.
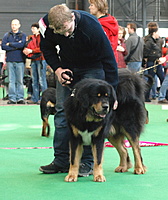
(20,126)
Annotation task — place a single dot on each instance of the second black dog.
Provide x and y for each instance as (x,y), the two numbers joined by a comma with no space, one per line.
(47,107)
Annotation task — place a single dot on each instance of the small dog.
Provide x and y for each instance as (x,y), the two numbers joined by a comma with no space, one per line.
(47,107)
(96,117)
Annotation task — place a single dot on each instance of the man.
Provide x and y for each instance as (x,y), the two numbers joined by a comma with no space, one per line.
(38,64)
(134,46)
(13,42)
(85,51)
(152,52)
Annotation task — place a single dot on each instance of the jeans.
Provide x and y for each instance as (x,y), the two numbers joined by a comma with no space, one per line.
(61,135)
(134,66)
(159,72)
(15,88)
(163,89)
(39,82)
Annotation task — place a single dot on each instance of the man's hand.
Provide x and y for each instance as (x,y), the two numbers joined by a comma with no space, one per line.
(63,76)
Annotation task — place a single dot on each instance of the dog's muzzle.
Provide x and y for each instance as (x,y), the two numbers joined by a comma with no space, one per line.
(103,112)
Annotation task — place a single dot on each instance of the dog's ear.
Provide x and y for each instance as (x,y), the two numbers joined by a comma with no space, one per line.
(82,97)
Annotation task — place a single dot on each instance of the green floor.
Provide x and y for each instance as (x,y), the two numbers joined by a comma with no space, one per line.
(20,127)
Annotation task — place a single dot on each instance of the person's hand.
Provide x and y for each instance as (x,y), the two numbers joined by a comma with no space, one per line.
(27,51)
(162,60)
(63,76)
(120,48)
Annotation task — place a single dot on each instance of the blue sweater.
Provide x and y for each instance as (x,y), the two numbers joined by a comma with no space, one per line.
(16,44)
(88,48)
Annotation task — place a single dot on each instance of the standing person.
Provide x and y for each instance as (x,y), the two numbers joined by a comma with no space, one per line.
(121,48)
(152,52)
(38,64)
(85,51)
(13,43)
(2,57)
(134,45)
(164,86)
(99,8)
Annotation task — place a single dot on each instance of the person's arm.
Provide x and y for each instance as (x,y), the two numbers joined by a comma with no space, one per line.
(5,43)
(101,45)
(20,44)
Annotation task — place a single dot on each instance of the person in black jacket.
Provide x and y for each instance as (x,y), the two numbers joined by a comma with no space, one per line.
(74,41)
(152,52)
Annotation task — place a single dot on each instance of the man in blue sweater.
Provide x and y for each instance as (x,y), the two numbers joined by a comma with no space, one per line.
(13,42)
(74,41)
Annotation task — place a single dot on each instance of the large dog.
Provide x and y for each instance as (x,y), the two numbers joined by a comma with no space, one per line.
(94,118)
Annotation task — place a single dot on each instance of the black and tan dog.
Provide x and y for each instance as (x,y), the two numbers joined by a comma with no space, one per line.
(47,108)
(93,104)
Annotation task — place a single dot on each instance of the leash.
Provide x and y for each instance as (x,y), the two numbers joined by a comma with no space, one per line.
(68,79)
(154,66)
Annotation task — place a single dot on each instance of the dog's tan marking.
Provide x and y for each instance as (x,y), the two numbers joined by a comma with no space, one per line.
(74,169)
(118,143)
(98,169)
(45,125)
(75,130)
(139,167)
(50,104)
(96,133)
(99,95)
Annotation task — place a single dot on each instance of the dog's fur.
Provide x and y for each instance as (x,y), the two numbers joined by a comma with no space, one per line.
(92,102)
(47,107)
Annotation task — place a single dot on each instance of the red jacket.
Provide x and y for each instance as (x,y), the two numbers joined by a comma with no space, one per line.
(110,26)
(34,44)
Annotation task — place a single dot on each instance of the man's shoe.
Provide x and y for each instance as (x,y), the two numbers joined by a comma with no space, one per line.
(52,169)
(6,97)
(147,100)
(31,102)
(21,102)
(11,102)
(85,170)
(163,101)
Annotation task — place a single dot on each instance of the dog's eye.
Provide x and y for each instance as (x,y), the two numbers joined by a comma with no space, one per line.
(106,94)
(99,95)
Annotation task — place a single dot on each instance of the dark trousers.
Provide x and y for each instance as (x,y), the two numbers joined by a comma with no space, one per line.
(158,71)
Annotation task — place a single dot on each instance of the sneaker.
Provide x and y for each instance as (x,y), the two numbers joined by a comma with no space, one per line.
(163,101)
(52,169)
(11,102)
(85,170)
(21,102)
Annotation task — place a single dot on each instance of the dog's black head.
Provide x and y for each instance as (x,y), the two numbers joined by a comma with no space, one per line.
(96,96)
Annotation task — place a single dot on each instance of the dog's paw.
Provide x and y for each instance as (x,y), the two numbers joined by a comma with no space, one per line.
(140,170)
(99,178)
(71,178)
(121,169)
